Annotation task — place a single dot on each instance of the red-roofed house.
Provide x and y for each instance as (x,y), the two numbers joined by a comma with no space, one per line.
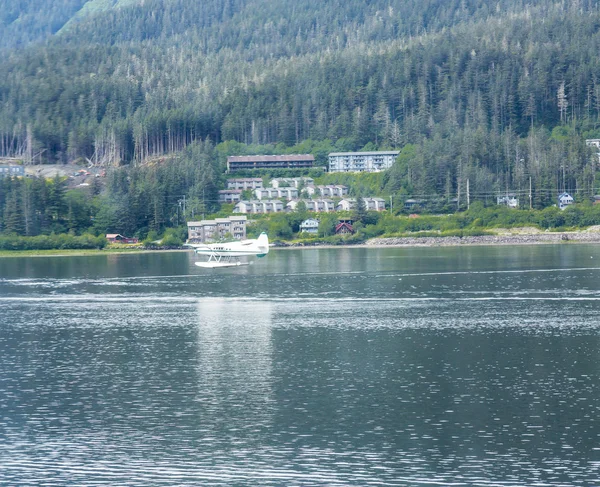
(343,228)
(118,238)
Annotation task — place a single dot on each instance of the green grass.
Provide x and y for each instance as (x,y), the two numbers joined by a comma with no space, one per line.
(74,252)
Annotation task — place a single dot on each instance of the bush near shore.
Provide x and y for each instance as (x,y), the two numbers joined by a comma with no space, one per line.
(62,241)
(283,229)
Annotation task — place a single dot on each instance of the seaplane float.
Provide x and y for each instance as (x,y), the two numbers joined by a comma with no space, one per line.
(228,254)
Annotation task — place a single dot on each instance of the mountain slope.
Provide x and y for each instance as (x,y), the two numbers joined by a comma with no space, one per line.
(27,21)
(461,80)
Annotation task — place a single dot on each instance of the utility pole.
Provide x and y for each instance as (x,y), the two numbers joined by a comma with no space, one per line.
(392,204)
(530,194)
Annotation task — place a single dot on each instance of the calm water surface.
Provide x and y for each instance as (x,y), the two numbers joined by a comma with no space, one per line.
(322,367)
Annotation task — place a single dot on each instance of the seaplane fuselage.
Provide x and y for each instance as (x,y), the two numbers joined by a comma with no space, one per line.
(226,254)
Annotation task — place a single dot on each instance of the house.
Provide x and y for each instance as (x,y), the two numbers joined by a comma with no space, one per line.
(594,143)
(270,193)
(412,203)
(245,206)
(10,170)
(118,238)
(328,191)
(344,228)
(509,200)
(272,206)
(310,226)
(288,193)
(213,230)
(361,161)
(293,205)
(244,183)
(259,206)
(564,200)
(290,161)
(596,199)
(318,206)
(374,204)
(346,204)
(230,195)
(324,206)
(293,182)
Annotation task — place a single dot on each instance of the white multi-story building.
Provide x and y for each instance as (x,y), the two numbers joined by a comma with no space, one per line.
(361,161)
(215,230)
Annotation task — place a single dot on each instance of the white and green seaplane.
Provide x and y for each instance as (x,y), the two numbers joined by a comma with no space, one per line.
(228,254)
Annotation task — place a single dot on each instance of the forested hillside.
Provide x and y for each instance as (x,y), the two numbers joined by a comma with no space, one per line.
(502,94)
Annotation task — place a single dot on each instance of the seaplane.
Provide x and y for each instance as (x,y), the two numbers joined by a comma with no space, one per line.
(228,254)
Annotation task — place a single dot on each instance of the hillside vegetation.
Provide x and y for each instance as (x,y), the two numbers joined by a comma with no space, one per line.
(500,96)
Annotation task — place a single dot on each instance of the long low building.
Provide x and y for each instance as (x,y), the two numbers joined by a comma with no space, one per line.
(289,161)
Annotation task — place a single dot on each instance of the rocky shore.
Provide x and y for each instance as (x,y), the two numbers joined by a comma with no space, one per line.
(509,239)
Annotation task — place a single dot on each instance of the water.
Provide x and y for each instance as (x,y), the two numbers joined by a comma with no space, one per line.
(321,367)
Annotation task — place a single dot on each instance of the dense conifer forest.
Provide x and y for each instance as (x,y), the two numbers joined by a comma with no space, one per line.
(497,96)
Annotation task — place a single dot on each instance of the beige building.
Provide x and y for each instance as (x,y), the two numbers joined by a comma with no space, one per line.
(214,230)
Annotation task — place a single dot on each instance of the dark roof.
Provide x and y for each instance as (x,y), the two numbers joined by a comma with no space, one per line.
(285,158)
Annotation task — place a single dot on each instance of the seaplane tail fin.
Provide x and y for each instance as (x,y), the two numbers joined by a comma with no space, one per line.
(263,243)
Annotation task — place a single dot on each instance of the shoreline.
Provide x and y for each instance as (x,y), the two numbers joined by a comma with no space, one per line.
(512,239)
(541,238)
(516,238)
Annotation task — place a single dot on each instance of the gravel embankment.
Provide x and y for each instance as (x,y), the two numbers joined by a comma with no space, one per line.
(582,237)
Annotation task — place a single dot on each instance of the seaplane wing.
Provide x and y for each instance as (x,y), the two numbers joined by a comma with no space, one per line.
(227,254)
